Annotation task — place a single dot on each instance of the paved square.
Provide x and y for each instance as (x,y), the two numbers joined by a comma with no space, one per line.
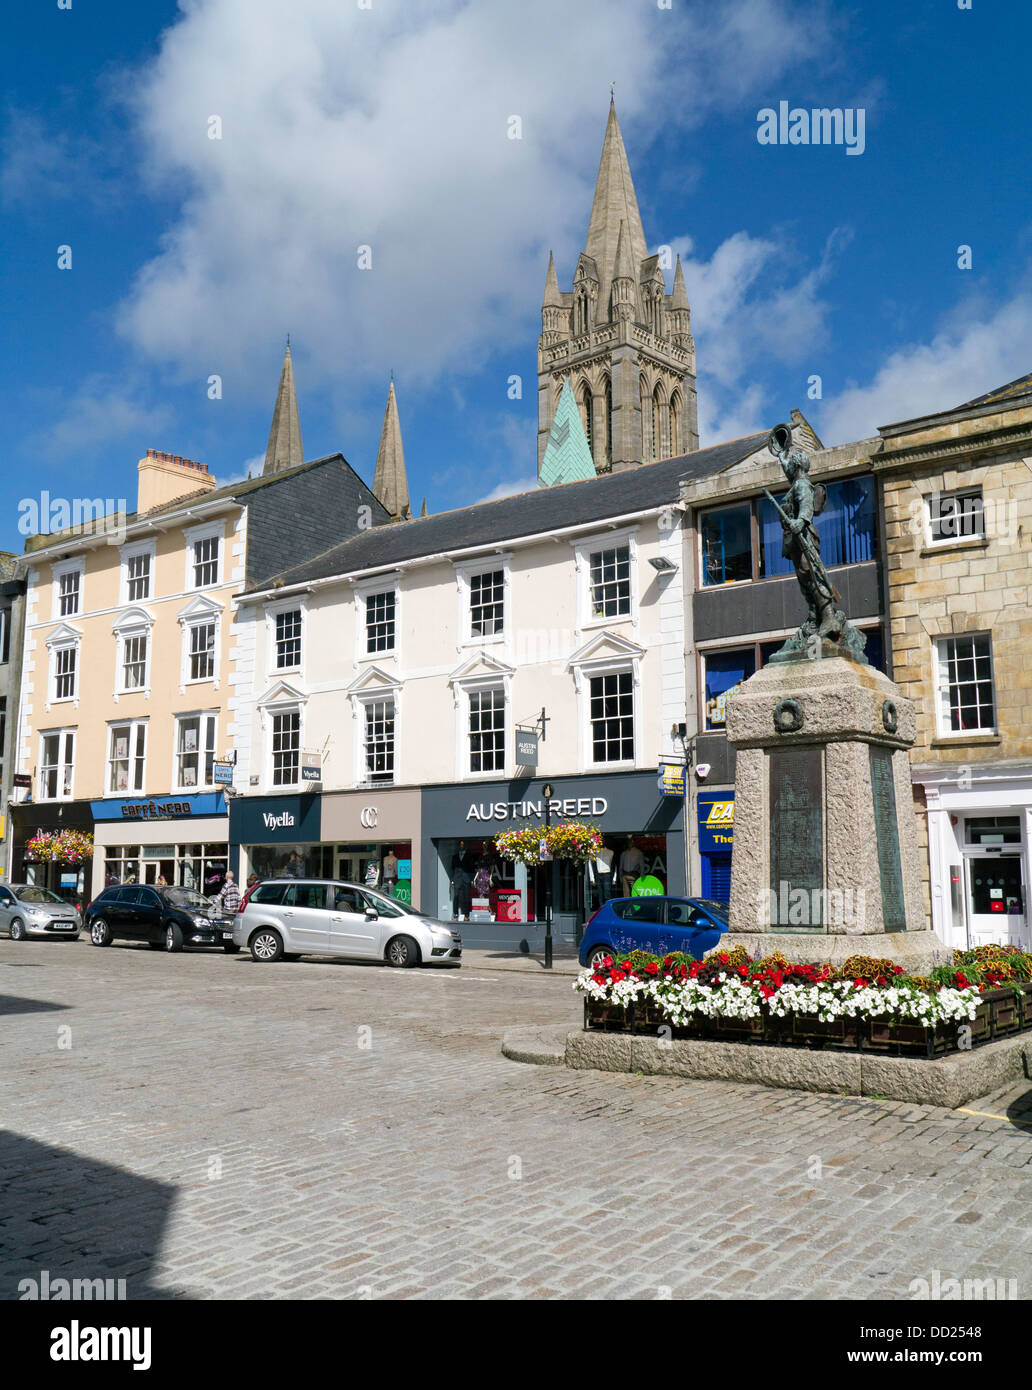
(204,1127)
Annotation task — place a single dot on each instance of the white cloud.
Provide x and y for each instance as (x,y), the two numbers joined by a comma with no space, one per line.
(978,347)
(387,127)
(103,412)
(510,488)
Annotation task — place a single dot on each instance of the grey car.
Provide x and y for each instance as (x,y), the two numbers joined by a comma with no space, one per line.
(28,910)
(286,917)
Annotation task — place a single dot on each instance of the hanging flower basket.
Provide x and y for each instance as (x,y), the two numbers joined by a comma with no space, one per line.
(567,840)
(59,847)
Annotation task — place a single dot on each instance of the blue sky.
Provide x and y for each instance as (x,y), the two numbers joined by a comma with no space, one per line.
(387,126)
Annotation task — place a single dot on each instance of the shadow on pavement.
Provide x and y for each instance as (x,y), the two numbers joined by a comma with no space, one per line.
(14,1004)
(66,1217)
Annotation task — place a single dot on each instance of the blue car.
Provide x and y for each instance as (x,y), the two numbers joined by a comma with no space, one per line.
(659,925)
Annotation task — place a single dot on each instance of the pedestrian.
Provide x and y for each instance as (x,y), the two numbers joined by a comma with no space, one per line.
(228,898)
(252,879)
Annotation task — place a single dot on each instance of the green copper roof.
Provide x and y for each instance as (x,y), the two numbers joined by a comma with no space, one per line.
(567,455)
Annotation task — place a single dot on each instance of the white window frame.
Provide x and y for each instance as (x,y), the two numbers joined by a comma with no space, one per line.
(200,611)
(583,549)
(5,635)
(942,721)
(364,589)
(215,530)
(200,715)
(934,542)
(57,571)
(130,552)
(133,725)
(591,661)
(62,737)
(279,711)
(272,612)
(464,573)
(364,702)
(63,638)
(132,622)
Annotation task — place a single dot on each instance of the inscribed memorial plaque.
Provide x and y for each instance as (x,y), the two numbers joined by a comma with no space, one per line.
(796,839)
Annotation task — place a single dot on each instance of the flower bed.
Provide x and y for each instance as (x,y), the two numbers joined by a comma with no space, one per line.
(869,1004)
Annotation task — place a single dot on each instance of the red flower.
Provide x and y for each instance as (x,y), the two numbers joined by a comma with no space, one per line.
(859,984)
(652,968)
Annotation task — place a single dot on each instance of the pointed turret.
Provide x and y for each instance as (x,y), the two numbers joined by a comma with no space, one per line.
(390,483)
(614,203)
(623,279)
(680,295)
(552,296)
(552,309)
(567,455)
(679,314)
(284,447)
(423,511)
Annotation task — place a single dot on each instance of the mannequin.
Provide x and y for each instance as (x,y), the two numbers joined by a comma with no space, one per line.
(461,884)
(603,867)
(632,864)
(390,870)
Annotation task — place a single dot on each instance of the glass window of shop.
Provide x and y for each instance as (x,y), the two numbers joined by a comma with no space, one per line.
(387,866)
(201,867)
(480,881)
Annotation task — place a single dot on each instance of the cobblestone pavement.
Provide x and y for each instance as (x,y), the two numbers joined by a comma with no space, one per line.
(204,1127)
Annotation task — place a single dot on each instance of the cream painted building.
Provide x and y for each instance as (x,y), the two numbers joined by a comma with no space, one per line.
(130,663)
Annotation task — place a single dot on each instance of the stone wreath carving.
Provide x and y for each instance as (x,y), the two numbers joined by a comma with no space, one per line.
(890,716)
(788,716)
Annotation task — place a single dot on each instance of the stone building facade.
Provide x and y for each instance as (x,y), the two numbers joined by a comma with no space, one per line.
(956,491)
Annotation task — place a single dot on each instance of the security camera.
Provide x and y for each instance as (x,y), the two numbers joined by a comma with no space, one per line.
(702,771)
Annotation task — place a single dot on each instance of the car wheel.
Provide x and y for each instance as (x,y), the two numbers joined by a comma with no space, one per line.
(18,932)
(230,948)
(402,952)
(266,945)
(100,932)
(173,937)
(597,955)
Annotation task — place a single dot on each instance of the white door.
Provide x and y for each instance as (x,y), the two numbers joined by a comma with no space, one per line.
(997,910)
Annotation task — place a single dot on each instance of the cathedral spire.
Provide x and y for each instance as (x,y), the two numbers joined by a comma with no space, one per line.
(284,447)
(390,483)
(614,203)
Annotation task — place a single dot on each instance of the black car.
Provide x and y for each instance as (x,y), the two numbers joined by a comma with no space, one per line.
(163,917)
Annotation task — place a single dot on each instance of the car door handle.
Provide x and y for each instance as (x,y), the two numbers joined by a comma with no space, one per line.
(334,918)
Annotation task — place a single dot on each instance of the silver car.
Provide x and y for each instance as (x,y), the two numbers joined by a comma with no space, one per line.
(288,917)
(27,910)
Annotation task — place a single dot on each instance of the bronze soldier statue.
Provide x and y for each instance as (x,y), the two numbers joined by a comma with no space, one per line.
(825,620)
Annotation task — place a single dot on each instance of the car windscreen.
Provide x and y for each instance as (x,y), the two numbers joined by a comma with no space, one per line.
(390,907)
(32,894)
(717,909)
(185,897)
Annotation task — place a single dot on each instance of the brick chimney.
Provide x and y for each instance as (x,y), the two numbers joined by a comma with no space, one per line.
(165,477)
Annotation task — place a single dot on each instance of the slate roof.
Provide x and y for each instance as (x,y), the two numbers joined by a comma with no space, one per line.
(522,514)
(227,492)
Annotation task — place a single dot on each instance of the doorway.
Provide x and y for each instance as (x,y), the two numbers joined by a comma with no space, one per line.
(996,899)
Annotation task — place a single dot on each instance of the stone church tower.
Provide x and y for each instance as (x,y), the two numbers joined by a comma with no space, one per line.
(624,344)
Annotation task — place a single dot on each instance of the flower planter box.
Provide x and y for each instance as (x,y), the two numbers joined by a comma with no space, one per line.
(611,1018)
(1004,1011)
(802,1031)
(906,1039)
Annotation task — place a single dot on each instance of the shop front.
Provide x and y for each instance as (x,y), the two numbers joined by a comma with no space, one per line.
(979,854)
(503,902)
(369,837)
(277,836)
(716,814)
(65,872)
(374,838)
(180,840)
